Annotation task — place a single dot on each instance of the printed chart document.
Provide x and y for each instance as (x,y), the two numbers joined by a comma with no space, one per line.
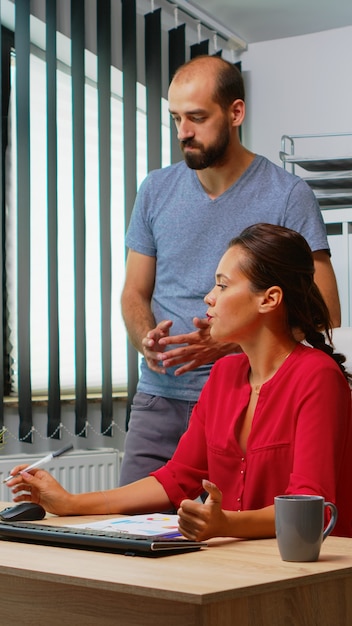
(149,525)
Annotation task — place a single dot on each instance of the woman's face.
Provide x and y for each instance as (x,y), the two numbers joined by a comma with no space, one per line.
(233,310)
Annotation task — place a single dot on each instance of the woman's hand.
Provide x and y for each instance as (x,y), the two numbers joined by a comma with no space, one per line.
(202,521)
(41,488)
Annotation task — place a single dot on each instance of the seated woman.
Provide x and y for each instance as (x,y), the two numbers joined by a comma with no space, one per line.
(275,419)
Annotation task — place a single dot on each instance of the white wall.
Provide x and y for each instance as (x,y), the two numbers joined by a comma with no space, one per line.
(303,85)
(297,85)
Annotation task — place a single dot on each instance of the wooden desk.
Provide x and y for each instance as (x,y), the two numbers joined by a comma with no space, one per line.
(237,583)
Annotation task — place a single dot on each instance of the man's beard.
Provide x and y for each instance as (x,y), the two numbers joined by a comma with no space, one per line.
(213,155)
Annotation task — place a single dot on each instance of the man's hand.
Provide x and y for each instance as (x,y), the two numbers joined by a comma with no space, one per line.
(152,349)
(195,349)
(202,521)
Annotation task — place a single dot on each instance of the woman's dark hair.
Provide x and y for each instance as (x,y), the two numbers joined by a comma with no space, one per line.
(276,255)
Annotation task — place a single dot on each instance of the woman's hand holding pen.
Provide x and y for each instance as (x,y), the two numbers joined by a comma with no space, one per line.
(41,488)
(202,521)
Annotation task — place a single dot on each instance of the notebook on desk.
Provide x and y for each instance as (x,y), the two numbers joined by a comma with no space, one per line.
(100,540)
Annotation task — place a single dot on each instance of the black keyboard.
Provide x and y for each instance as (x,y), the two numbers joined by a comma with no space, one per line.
(89,539)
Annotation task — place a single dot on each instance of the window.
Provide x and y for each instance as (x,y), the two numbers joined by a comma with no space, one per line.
(38,224)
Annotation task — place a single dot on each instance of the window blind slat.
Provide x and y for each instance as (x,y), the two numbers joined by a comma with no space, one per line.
(7,43)
(78,139)
(129,68)
(200,48)
(177,56)
(2,359)
(54,405)
(153,85)
(104,129)
(22,42)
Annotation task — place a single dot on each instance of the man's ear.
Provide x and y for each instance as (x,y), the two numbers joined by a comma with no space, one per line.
(271,299)
(238,112)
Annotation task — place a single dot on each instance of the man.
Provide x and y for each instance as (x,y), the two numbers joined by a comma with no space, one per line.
(183,218)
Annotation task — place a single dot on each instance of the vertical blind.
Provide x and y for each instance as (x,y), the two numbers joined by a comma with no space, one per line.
(23,216)
(2,360)
(54,406)
(79,207)
(104,125)
(82,130)
(129,63)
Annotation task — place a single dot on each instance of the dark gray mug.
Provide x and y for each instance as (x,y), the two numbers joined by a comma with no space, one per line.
(299,523)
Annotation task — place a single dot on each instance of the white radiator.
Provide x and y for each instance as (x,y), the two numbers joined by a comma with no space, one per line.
(81,470)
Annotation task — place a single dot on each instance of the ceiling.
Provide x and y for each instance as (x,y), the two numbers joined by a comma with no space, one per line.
(262,20)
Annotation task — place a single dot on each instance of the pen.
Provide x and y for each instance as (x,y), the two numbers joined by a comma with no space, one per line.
(43,461)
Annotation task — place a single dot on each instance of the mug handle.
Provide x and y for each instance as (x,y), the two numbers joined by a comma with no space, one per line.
(333,519)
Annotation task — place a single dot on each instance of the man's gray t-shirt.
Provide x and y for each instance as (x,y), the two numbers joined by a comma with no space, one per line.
(175,221)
